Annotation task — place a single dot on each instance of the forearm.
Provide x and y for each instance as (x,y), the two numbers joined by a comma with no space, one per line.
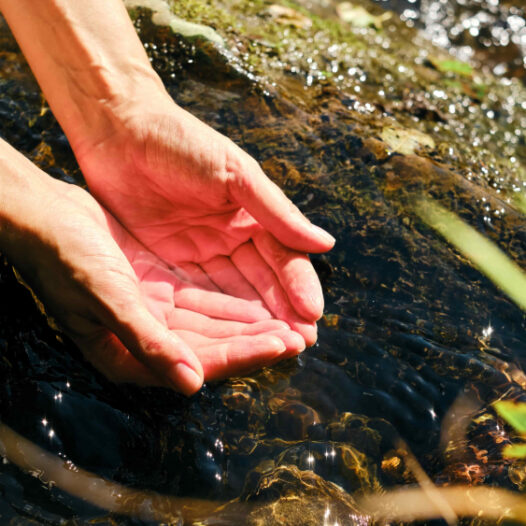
(87,59)
(24,192)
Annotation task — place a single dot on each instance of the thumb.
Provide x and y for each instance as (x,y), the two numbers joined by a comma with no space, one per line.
(167,356)
(265,201)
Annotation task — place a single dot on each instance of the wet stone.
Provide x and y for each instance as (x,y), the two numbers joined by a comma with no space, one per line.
(294,420)
(299,497)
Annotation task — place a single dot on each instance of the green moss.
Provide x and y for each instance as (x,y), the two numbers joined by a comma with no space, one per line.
(203,12)
(265,40)
(452,66)
(405,80)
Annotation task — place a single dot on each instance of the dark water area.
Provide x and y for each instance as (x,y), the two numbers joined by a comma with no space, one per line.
(409,326)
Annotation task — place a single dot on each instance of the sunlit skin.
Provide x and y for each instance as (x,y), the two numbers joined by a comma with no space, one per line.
(201,257)
(135,318)
(184,191)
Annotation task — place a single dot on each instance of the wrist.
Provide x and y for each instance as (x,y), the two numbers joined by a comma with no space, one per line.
(86,57)
(122,94)
(24,192)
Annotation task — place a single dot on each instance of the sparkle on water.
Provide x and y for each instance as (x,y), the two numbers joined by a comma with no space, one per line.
(491,32)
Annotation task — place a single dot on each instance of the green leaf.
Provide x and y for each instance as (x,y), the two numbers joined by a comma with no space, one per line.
(519,199)
(514,451)
(480,90)
(454,84)
(452,66)
(513,412)
(482,252)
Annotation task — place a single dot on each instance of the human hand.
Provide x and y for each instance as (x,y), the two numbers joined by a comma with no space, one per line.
(186,192)
(191,196)
(133,317)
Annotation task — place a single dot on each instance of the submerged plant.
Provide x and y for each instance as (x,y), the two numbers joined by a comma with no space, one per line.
(514,413)
(479,250)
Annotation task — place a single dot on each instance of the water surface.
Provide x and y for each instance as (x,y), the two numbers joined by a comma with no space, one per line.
(410,324)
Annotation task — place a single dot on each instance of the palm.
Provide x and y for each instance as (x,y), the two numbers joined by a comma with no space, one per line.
(228,335)
(187,230)
(174,185)
(135,318)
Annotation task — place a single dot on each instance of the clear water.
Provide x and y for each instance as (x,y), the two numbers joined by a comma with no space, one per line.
(409,324)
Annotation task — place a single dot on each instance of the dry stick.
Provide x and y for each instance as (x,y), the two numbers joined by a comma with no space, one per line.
(414,504)
(430,502)
(457,419)
(428,488)
(91,488)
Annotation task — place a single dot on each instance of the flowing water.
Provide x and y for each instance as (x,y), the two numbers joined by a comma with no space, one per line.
(491,33)
(410,324)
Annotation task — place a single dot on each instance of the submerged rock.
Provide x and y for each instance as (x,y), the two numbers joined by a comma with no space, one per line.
(288,496)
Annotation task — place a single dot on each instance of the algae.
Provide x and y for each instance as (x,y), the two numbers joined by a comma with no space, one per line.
(477,120)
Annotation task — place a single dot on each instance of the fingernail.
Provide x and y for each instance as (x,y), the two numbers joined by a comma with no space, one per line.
(323,234)
(276,343)
(185,379)
(318,304)
(300,343)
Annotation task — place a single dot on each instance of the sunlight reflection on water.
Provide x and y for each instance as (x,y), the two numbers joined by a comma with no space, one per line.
(490,32)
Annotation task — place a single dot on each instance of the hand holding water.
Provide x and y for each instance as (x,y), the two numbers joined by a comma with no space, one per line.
(195,199)
(209,254)
(133,317)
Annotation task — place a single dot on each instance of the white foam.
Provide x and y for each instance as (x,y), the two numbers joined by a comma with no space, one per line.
(163,16)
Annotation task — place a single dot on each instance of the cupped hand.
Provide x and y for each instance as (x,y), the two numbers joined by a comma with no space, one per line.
(135,318)
(193,197)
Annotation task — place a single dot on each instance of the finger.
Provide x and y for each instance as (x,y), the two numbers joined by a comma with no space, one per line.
(183,319)
(221,359)
(250,263)
(226,276)
(265,201)
(295,273)
(292,341)
(217,304)
(107,354)
(112,359)
(155,346)
(163,289)
(193,273)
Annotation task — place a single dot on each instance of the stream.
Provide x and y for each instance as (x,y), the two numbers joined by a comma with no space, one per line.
(355,123)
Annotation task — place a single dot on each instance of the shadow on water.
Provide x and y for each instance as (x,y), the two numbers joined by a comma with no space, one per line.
(409,325)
